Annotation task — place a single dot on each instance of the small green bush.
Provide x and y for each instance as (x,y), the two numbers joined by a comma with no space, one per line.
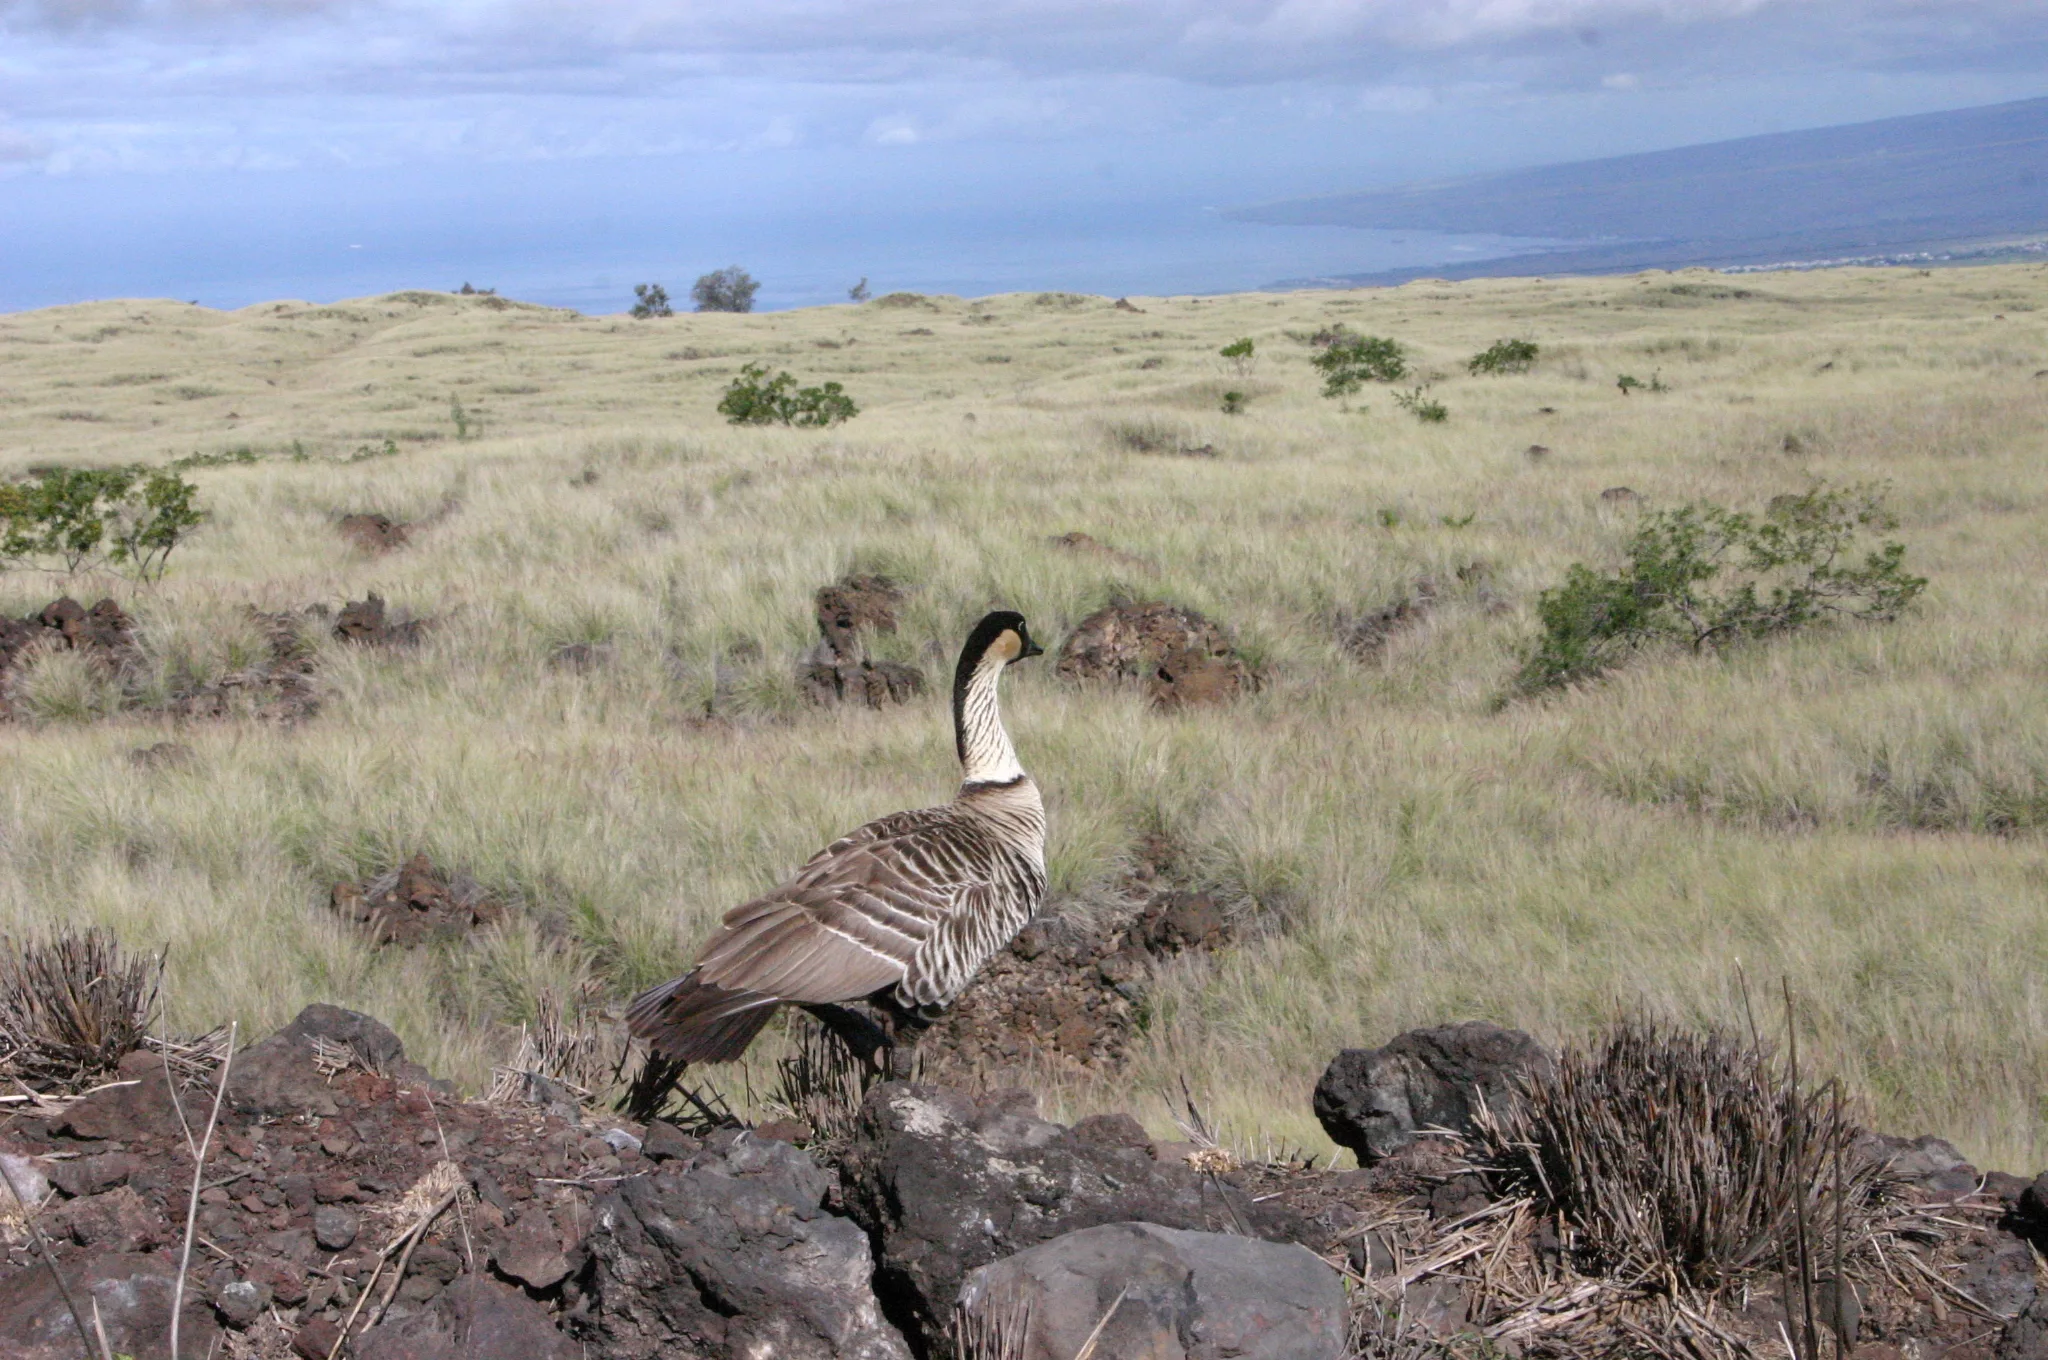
(1233,403)
(754,398)
(1503,356)
(1350,360)
(1419,404)
(129,517)
(1704,575)
(1241,356)
(651,300)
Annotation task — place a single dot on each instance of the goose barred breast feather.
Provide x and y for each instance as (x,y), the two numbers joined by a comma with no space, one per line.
(903,912)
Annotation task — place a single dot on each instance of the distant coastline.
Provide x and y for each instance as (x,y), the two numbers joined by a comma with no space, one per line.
(1966,186)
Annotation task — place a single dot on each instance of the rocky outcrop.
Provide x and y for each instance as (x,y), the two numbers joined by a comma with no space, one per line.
(731,1254)
(945,1182)
(1140,1290)
(1376,1101)
(838,670)
(1178,656)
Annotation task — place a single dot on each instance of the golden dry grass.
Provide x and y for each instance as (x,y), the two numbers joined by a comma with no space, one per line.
(1858,809)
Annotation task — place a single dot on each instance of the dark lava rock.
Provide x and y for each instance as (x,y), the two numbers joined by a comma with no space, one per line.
(363,621)
(240,1303)
(1180,657)
(838,669)
(731,1254)
(2026,1336)
(1616,495)
(1204,1296)
(946,1183)
(416,904)
(1366,635)
(126,1112)
(665,1142)
(473,1319)
(134,1296)
(335,1228)
(280,1075)
(1376,1101)
(1931,1163)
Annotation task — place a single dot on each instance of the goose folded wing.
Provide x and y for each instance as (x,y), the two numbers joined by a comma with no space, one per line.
(834,936)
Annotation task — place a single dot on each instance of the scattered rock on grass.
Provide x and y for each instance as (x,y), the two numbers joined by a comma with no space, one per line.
(363,621)
(374,533)
(1366,635)
(1179,656)
(416,904)
(279,687)
(1137,1289)
(1619,495)
(1376,1101)
(838,669)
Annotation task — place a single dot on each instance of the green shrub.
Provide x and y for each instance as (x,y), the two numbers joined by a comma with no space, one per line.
(1503,356)
(1233,403)
(1351,360)
(651,300)
(1704,575)
(1420,405)
(130,517)
(1241,356)
(754,398)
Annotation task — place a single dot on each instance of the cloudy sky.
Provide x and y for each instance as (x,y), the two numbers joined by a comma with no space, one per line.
(254,148)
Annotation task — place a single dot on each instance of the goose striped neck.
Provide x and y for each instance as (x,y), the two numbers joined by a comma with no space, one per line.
(986,755)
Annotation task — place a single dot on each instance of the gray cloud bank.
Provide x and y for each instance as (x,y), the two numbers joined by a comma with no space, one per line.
(141,84)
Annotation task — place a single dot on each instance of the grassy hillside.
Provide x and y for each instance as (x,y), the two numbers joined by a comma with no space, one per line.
(1857,809)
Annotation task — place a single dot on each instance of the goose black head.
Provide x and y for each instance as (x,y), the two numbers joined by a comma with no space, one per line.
(1002,635)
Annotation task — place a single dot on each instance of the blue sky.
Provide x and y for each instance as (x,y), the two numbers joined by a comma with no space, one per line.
(242,149)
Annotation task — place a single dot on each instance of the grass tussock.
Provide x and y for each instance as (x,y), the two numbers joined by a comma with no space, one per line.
(1856,806)
(1686,1157)
(72,1005)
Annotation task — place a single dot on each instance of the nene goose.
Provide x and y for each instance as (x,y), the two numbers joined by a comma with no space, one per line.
(900,914)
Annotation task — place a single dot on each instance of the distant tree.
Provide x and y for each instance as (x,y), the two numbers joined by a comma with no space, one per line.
(1241,355)
(859,292)
(730,289)
(471,290)
(653,301)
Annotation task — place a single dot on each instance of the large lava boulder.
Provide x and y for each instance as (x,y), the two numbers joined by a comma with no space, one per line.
(1146,1291)
(1179,656)
(945,1182)
(282,1077)
(1376,1101)
(730,1253)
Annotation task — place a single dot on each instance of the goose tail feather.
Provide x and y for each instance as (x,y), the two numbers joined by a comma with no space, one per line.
(690,1020)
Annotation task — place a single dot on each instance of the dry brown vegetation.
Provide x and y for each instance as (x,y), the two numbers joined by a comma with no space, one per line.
(1858,808)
